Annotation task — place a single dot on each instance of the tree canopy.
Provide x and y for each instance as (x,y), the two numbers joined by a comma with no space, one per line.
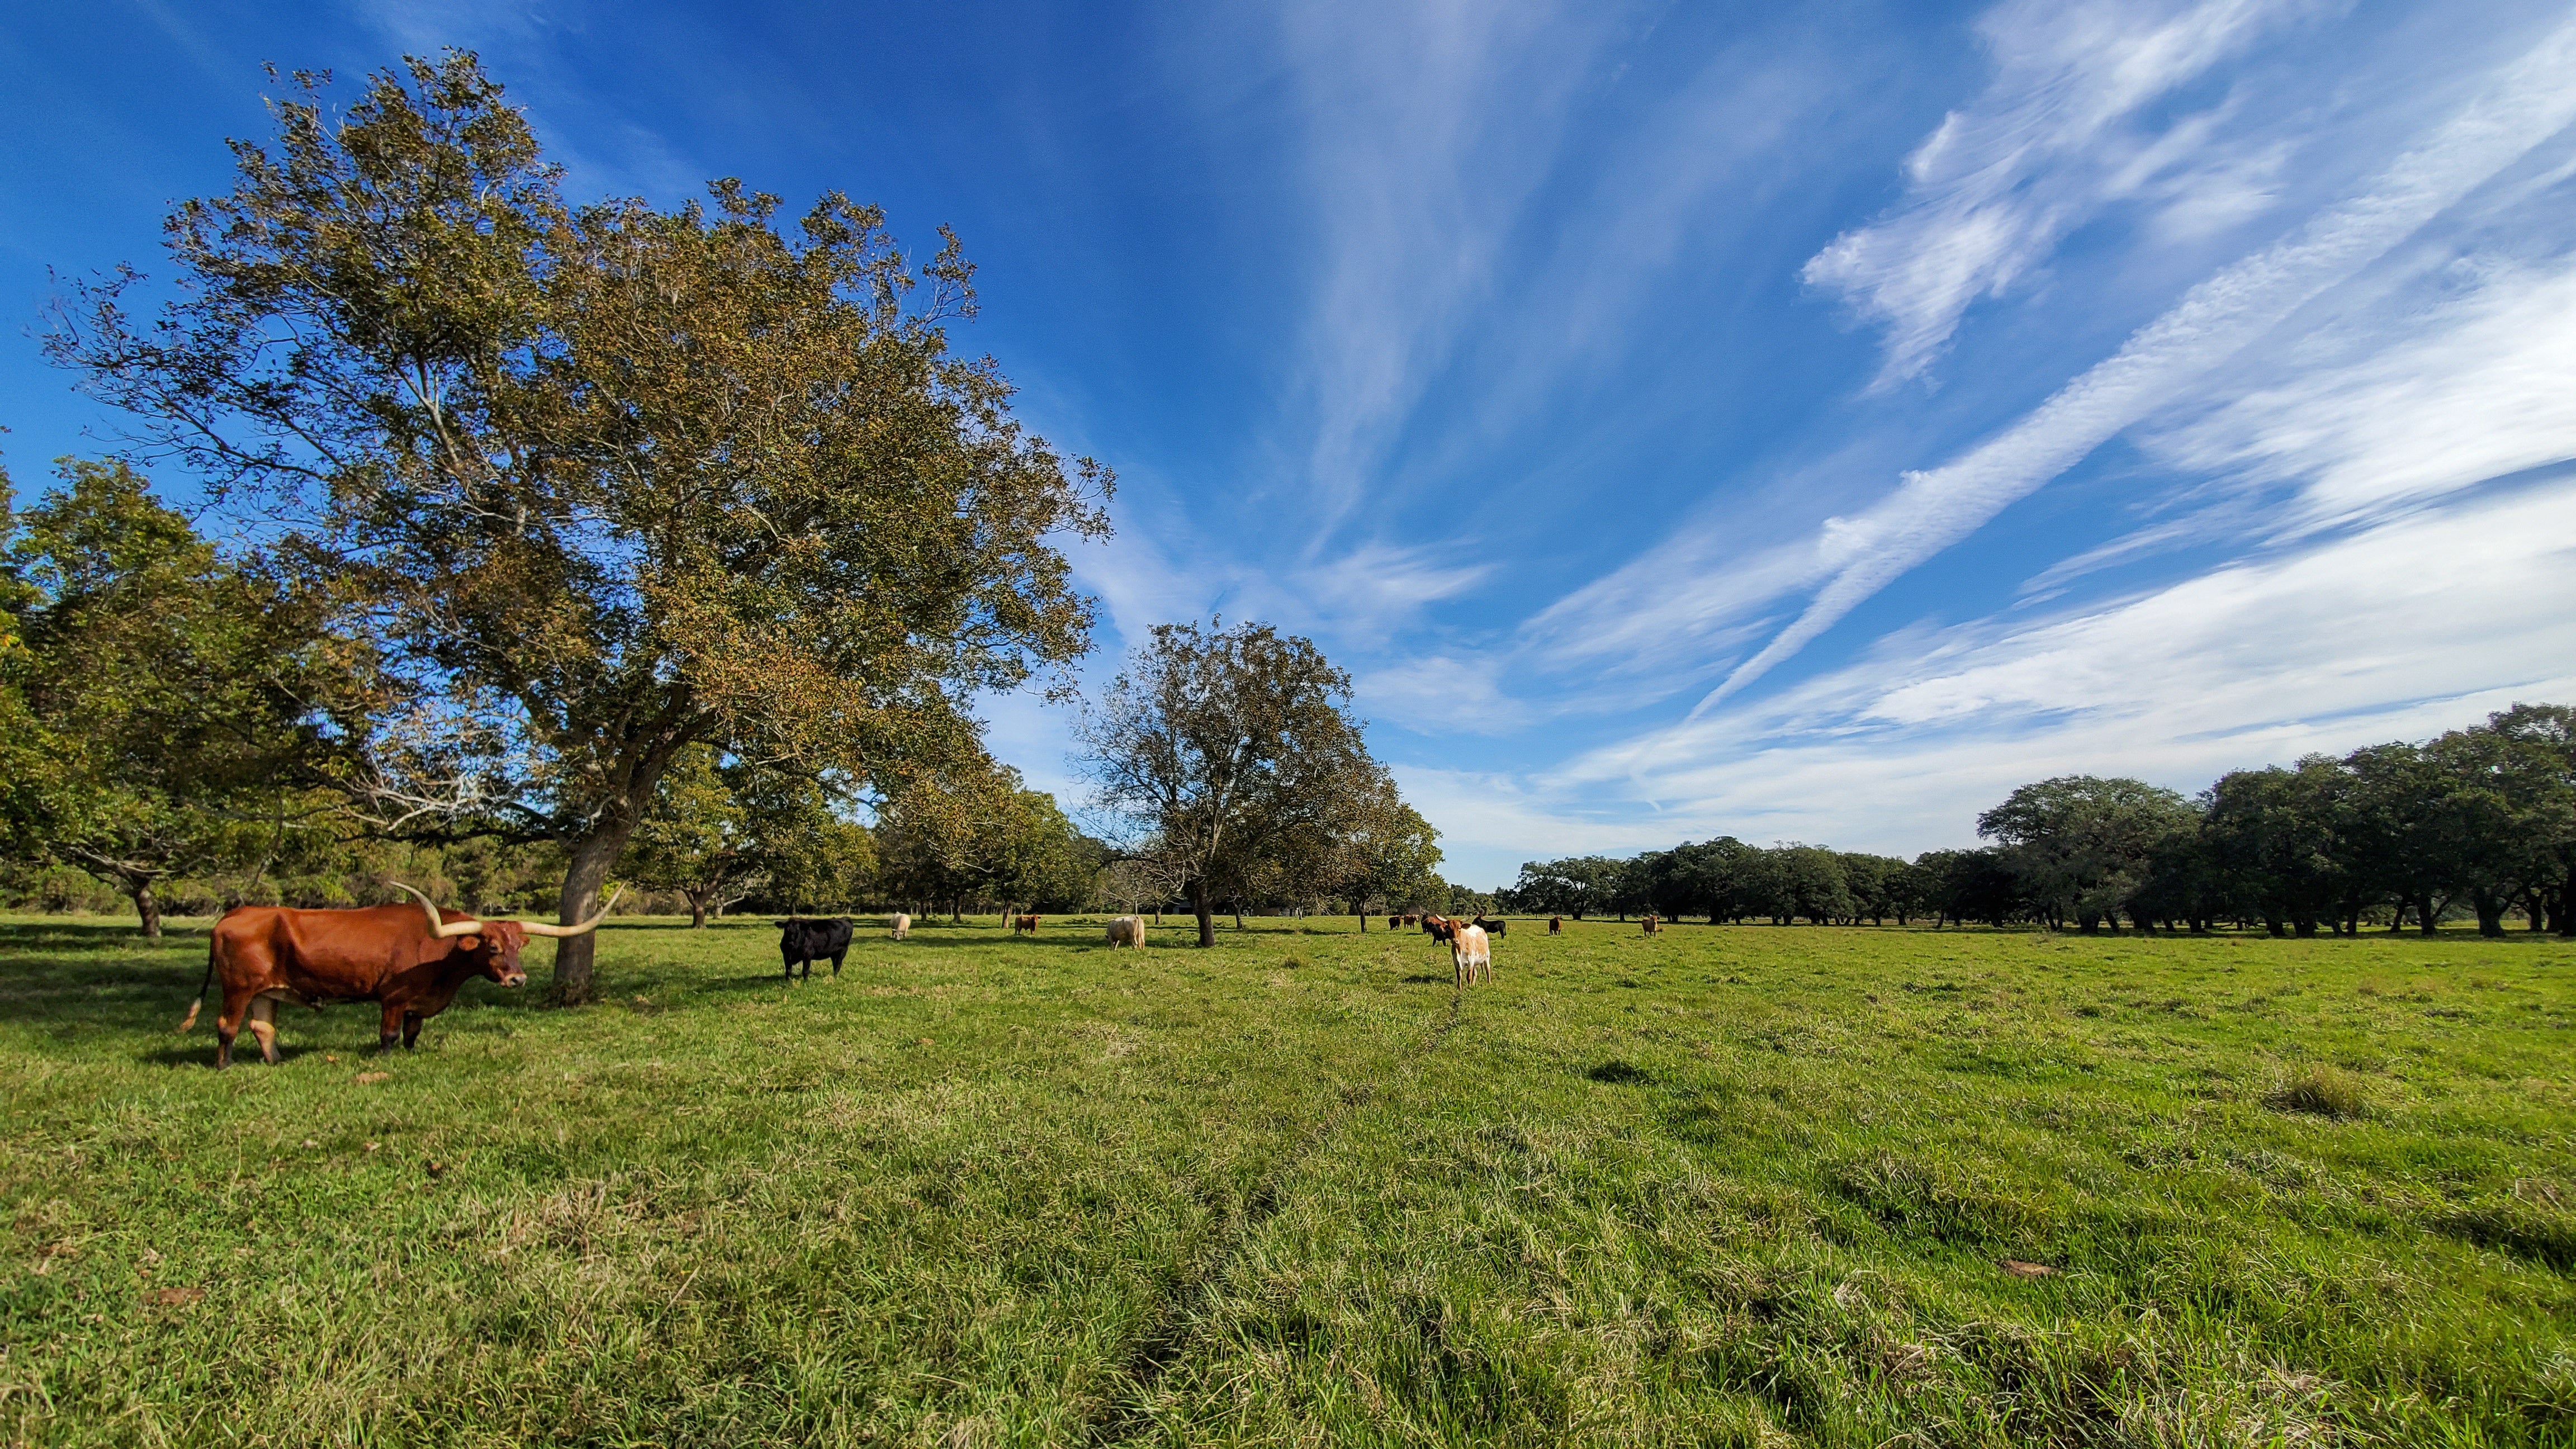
(601,482)
(168,712)
(1233,755)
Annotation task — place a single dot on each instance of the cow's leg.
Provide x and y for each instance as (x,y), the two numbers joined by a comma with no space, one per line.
(411,1029)
(228,1024)
(787,968)
(836,959)
(389,1030)
(263,1025)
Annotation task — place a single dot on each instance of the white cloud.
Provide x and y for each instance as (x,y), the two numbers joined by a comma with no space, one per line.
(1930,510)
(2484,386)
(1443,695)
(2419,625)
(1428,128)
(2054,138)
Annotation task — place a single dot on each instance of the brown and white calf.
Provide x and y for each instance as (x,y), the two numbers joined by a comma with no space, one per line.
(1471,956)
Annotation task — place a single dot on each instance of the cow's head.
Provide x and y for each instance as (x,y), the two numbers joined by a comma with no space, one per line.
(494,946)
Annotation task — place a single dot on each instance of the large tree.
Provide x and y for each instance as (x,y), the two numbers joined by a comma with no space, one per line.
(602,481)
(1393,858)
(2080,843)
(168,710)
(1228,750)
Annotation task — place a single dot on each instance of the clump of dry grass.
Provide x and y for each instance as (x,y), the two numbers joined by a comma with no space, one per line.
(2324,1091)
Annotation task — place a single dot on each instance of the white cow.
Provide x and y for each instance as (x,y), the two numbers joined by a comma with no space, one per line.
(902,925)
(1471,955)
(1126,931)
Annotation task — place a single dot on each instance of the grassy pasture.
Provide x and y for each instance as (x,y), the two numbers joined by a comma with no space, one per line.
(1738,1185)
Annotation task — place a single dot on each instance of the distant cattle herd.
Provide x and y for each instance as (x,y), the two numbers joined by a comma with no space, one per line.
(413,962)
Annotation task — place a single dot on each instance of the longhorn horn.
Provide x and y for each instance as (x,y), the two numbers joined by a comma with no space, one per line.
(585,928)
(437,927)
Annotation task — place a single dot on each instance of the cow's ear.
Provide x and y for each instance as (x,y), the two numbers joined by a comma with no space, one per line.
(469,943)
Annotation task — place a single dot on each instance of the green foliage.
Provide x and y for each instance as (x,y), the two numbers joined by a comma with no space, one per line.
(1234,758)
(1835,1187)
(171,707)
(604,481)
(978,835)
(2080,845)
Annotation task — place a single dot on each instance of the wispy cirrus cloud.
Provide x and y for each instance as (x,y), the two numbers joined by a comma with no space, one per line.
(2523,104)
(2058,134)
(2480,385)
(1427,129)
(2398,631)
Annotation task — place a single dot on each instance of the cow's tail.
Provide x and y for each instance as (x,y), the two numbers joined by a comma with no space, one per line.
(199,1004)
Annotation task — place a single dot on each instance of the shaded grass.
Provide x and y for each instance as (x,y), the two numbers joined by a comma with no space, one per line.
(1730,1185)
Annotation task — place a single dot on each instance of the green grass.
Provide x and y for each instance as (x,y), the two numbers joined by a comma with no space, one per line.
(1743,1185)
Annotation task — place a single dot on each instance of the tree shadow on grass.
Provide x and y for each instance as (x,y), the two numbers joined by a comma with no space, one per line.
(97,975)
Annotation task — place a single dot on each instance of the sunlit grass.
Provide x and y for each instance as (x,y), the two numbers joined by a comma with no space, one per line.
(1733,1185)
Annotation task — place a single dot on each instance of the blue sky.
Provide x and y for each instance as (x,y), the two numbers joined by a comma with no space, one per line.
(1793,422)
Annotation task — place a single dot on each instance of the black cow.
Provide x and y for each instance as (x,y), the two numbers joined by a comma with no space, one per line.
(802,943)
(1492,928)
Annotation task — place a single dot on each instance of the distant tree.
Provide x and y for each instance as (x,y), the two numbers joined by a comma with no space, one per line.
(602,481)
(1810,883)
(1144,877)
(1576,886)
(1726,867)
(2273,838)
(169,711)
(2080,844)
(1873,883)
(1971,885)
(1394,858)
(2538,775)
(2502,841)
(1229,748)
(979,835)
(696,839)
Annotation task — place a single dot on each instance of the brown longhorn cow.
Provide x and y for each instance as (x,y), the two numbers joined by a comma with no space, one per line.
(411,961)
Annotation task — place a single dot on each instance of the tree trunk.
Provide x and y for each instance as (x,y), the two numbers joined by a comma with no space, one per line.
(697,909)
(1205,910)
(2427,920)
(1363,915)
(576,956)
(146,909)
(1238,913)
(2490,911)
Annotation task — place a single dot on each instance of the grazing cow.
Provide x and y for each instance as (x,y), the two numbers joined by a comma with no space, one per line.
(1440,928)
(901,925)
(802,943)
(1471,956)
(1652,925)
(1395,923)
(1492,928)
(1127,931)
(1556,925)
(1024,923)
(413,962)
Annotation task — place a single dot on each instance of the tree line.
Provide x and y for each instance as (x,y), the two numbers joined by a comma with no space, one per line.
(187,723)
(2478,823)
